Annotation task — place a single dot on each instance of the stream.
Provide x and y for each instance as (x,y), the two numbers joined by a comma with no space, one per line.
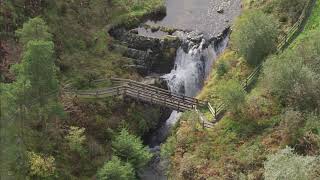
(194,58)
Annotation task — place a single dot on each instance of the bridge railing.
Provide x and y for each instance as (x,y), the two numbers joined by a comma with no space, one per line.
(146,93)
(160,91)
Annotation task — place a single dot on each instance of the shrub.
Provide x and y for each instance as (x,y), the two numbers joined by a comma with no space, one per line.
(291,121)
(76,138)
(168,148)
(295,85)
(232,94)
(41,166)
(116,170)
(287,165)
(130,148)
(291,8)
(309,51)
(254,36)
(222,69)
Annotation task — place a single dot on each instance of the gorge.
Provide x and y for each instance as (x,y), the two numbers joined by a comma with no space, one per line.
(198,33)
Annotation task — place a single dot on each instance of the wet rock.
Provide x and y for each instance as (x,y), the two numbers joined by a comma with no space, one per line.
(220,10)
(155,28)
(158,54)
(134,31)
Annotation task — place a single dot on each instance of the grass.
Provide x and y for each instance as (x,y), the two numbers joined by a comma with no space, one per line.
(130,12)
(313,24)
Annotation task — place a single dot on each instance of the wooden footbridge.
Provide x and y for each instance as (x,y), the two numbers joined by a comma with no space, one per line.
(159,96)
(150,94)
(144,92)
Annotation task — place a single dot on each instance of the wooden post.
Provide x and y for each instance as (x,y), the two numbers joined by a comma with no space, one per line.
(125,91)
(215,113)
(246,86)
(151,98)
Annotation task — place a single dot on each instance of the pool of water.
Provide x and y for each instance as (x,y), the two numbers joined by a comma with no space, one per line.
(198,15)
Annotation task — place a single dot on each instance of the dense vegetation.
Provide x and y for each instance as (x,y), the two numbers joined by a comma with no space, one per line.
(46,48)
(271,132)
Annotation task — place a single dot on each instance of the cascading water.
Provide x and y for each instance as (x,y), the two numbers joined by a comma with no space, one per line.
(193,63)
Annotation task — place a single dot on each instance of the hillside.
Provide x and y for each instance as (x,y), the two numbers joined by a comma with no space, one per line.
(82,53)
(265,132)
(264,71)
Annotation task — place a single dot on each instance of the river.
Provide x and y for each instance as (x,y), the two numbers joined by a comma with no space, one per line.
(200,22)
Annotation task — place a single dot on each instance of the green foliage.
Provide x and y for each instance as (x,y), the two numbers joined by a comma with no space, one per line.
(12,155)
(254,36)
(34,29)
(297,85)
(309,51)
(232,94)
(41,166)
(312,124)
(291,9)
(314,21)
(116,170)
(76,139)
(137,8)
(130,149)
(38,70)
(287,165)
(291,121)
(168,148)
(31,99)
(222,68)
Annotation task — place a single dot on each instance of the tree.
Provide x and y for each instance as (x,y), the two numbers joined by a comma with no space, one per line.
(254,36)
(76,138)
(34,29)
(232,94)
(38,70)
(287,165)
(116,170)
(32,97)
(130,149)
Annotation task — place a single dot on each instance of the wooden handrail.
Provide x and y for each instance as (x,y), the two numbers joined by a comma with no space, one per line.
(153,95)
(134,83)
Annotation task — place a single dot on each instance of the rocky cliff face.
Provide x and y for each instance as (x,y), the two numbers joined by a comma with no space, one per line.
(150,55)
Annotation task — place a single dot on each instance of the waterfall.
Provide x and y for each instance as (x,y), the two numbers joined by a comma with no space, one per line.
(193,63)
(192,66)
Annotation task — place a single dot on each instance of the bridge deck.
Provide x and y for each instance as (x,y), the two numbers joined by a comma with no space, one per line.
(145,93)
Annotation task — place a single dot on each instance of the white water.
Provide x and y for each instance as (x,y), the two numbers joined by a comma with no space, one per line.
(192,66)
(190,70)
